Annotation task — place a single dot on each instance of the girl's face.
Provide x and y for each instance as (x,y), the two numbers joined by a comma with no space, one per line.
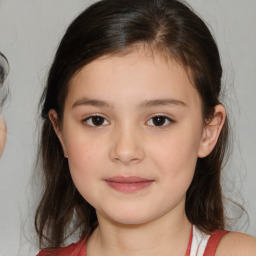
(132,131)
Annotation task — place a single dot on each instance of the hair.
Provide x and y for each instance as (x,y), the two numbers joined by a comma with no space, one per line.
(113,27)
(4,70)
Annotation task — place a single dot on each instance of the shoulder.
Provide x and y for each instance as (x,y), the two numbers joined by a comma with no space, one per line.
(235,243)
(65,251)
(75,249)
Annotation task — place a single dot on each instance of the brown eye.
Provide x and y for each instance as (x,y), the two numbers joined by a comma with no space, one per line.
(159,121)
(96,121)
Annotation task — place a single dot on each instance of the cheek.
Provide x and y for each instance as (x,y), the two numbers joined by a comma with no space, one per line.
(85,165)
(176,156)
(83,155)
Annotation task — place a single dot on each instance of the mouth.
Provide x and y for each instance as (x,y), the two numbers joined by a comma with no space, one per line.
(128,184)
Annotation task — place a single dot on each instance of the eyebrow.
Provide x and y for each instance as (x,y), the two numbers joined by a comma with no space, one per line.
(91,102)
(144,104)
(161,102)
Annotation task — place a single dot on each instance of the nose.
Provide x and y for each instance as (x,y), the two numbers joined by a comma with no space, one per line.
(127,147)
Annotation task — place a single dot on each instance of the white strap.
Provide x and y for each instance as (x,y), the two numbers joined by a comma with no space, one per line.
(199,242)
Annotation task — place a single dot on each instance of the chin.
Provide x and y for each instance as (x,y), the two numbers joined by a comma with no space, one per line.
(129,218)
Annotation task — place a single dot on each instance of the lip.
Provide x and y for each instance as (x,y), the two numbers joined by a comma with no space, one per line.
(129,184)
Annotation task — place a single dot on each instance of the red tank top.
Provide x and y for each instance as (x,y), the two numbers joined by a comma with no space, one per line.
(78,249)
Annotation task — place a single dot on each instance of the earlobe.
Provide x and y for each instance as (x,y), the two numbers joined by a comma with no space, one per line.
(212,131)
(53,116)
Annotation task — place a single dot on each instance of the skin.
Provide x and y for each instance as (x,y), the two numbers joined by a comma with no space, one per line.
(3,130)
(128,92)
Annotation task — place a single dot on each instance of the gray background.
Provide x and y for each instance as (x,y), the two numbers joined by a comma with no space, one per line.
(29,34)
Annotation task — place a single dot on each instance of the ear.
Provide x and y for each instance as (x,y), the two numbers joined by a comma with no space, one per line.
(212,131)
(53,116)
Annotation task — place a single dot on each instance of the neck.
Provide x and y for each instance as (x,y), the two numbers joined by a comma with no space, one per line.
(165,236)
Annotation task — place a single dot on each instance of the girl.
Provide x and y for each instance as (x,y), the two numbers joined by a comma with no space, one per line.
(134,136)
(4,70)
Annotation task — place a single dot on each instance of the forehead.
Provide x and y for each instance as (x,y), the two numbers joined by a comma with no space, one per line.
(136,73)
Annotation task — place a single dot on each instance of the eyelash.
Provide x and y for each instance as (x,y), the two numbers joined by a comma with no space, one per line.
(103,120)
(168,119)
(86,120)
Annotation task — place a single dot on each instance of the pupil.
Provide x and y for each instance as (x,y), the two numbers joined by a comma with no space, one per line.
(97,120)
(158,120)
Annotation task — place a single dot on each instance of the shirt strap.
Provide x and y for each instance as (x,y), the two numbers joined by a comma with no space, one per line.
(190,242)
(213,242)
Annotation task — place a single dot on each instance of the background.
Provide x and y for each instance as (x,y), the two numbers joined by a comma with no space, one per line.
(30,31)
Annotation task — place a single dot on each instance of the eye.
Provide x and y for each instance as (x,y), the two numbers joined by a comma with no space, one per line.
(95,121)
(159,121)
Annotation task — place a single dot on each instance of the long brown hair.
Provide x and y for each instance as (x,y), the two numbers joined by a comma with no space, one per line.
(112,27)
